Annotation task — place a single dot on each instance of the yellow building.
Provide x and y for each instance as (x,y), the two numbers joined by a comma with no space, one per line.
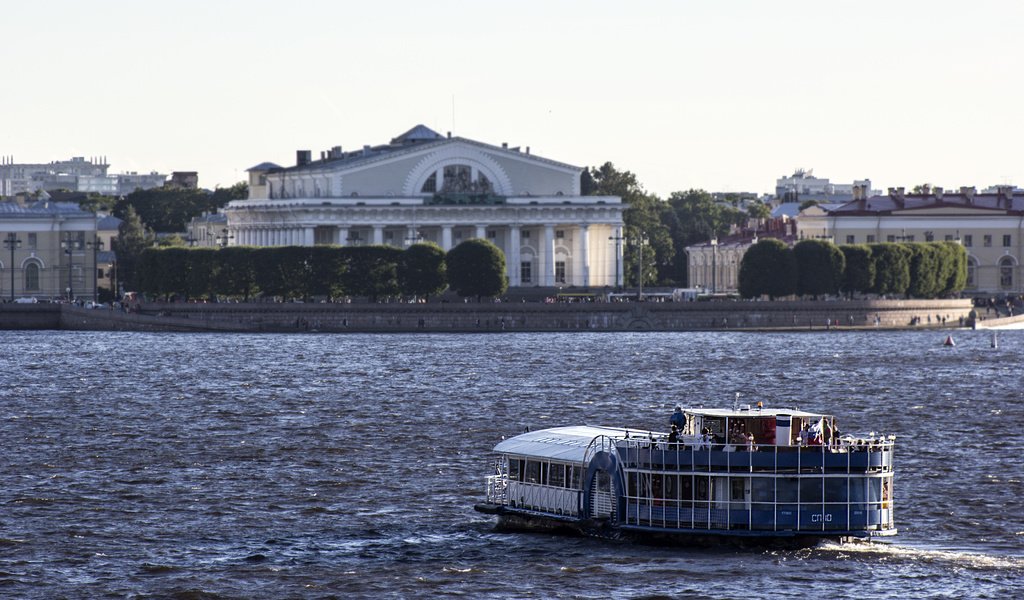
(989,225)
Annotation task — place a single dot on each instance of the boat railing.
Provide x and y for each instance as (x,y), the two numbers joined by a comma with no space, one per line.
(497,489)
(534,496)
(846,485)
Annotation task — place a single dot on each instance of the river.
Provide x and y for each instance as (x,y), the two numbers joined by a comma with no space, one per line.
(142,465)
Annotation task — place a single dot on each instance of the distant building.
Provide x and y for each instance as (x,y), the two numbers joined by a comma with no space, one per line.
(425,186)
(54,249)
(802,185)
(76,175)
(714,265)
(209,230)
(990,226)
(188,180)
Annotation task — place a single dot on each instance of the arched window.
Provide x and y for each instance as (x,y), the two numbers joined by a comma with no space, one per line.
(32,277)
(1006,272)
(972,268)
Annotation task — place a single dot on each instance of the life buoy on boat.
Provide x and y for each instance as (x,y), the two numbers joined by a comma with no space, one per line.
(949,341)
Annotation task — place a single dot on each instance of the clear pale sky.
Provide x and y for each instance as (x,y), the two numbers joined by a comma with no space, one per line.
(721,95)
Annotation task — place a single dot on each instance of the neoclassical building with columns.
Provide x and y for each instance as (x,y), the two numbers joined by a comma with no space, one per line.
(422,186)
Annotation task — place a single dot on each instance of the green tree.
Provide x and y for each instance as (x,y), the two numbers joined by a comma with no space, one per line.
(236,270)
(955,257)
(926,278)
(820,266)
(326,266)
(370,271)
(759,210)
(808,203)
(201,272)
(644,218)
(859,274)
(892,268)
(421,270)
(768,268)
(132,240)
(477,268)
(694,216)
(168,210)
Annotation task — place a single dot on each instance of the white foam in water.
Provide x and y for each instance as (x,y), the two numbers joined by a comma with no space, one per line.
(970,560)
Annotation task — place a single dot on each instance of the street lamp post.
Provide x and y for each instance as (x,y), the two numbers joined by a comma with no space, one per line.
(96,245)
(224,238)
(618,250)
(69,246)
(12,242)
(641,240)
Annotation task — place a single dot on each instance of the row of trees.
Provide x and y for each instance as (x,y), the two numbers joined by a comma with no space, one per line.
(819,267)
(473,268)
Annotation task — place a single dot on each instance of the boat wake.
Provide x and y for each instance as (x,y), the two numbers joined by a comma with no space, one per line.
(960,559)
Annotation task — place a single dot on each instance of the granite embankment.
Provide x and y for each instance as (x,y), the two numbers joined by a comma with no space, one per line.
(496,317)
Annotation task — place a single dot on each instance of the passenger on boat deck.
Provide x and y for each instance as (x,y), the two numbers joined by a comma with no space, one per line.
(673,438)
(805,435)
(678,419)
(751,446)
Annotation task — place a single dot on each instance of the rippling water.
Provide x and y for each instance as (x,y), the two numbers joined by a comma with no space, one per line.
(318,466)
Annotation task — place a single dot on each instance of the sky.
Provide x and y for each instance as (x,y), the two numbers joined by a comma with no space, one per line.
(721,95)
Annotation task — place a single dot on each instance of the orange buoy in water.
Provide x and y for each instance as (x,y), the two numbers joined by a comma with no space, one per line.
(949,341)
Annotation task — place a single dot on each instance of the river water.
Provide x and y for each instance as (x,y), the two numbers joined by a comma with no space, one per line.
(335,466)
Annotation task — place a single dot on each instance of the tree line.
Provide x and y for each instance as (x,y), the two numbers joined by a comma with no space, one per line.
(820,267)
(473,268)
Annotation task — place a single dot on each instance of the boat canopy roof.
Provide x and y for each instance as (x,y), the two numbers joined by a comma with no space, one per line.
(747,412)
(560,443)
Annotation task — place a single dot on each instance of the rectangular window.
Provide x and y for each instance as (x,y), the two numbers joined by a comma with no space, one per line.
(559,234)
(532,474)
(525,234)
(908,238)
(987,240)
(492,234)
(526,271)
(871,239)
(968,240)
(929,236)
(560,271)
(556,475)
(851,239)
(1006,240)
(33,240)
(99,273)
(949,237)
(890,238)
(515,473)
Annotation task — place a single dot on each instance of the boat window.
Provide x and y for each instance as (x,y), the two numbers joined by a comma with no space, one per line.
(532,472)
(835,489)
(515,472)
(762,489)
(737,492)
(810,490)
(577,478)
(556,475)
(874,490)
(857,486)
(786,489)
(702,488)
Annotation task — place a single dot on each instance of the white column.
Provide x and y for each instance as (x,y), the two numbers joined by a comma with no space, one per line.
(584,260)
(481,232)
(446,237)
(378,235)
(619,262)
(308,236)
(513,257)
(342,236)
(548,277)
(411,235)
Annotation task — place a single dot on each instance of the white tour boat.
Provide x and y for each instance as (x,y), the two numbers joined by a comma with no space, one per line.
(739,475)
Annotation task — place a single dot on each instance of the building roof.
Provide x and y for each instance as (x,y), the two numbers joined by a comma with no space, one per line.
(265,166)
(415,139)
(42,209)
(559,443)
(109,223)
(1006,202)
